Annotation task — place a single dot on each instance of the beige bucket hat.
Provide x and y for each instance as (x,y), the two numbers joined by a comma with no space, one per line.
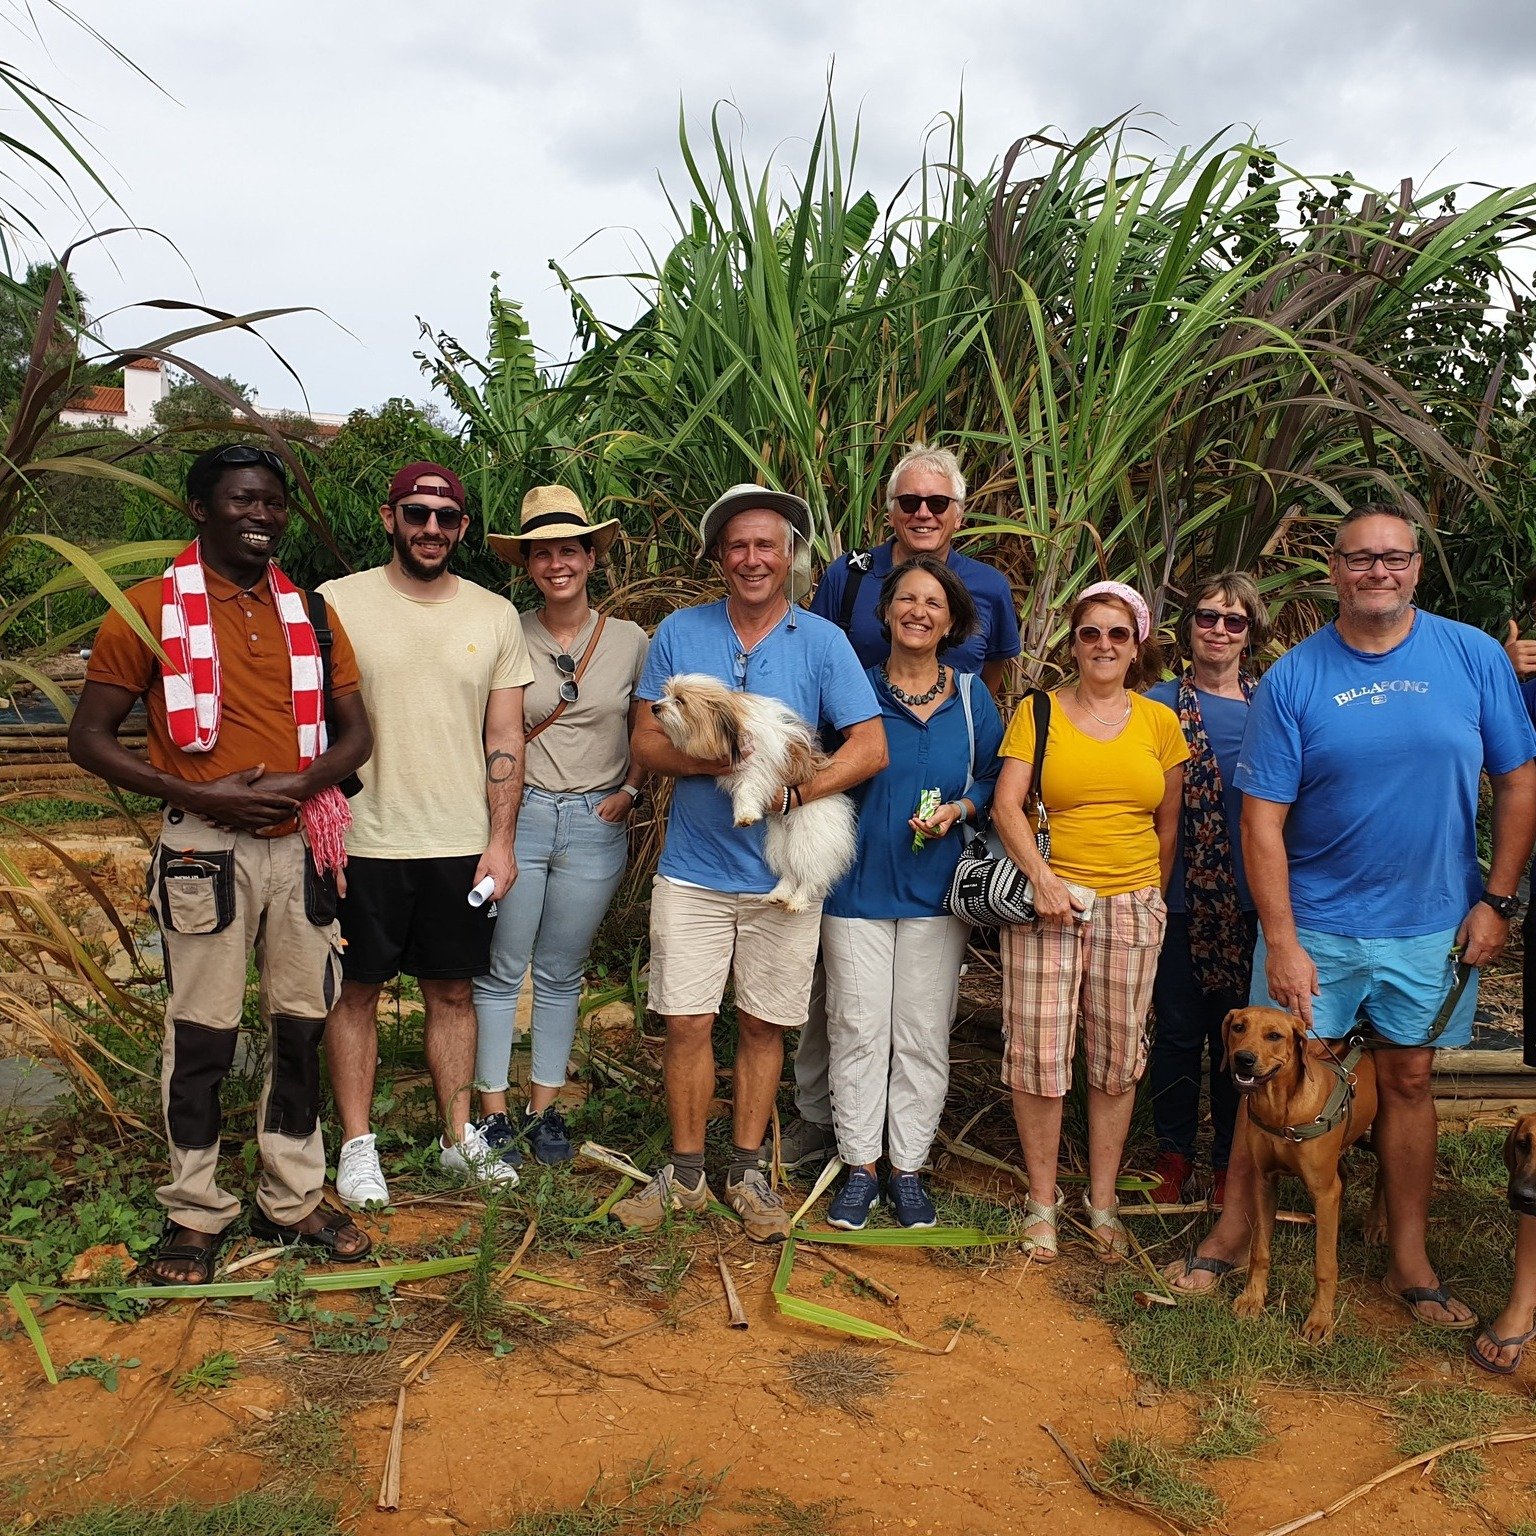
(552,512)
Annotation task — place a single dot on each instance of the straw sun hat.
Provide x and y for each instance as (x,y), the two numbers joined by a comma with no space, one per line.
(552,512)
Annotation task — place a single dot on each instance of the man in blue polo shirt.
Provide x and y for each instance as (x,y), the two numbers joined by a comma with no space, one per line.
(925,506)
(709,915)
(1359,770)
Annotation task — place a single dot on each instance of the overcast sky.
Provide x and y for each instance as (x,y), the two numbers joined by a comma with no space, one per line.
(380,160)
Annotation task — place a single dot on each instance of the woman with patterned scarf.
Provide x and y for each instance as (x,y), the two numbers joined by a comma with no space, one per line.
(1208,953)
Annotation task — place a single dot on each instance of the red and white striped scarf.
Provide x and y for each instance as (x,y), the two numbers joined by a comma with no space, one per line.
(193,685)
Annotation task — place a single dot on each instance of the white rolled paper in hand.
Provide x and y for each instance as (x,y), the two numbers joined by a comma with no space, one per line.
(482,892)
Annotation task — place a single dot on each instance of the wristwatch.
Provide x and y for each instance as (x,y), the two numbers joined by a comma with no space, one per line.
(1508,907)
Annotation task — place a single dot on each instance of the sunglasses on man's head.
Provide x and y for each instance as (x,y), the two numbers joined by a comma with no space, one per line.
(567,668)
(417,516)
(1209,618)
(243,453)
(1088,634)
(938,505)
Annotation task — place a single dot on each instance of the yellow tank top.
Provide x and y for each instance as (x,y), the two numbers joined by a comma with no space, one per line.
(1100,795)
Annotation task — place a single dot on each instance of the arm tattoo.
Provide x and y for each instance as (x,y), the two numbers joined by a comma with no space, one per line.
(499,767)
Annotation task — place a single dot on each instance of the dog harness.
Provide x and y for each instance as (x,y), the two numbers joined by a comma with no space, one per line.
(1341,1098)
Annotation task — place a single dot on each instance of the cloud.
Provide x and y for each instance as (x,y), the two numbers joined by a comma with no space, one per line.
(379,160)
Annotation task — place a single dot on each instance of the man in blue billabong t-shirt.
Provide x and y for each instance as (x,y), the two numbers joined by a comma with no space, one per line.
(1359,771)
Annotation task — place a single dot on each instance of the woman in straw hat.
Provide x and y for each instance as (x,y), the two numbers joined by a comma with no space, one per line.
(572,837)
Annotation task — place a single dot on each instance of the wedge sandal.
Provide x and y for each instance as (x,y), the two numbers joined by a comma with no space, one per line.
(1111,1242)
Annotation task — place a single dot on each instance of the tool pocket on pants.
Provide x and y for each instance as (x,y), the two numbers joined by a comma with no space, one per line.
(321,903)
(195,890)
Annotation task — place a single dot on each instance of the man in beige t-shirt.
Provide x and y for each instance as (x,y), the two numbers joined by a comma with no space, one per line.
(443,666)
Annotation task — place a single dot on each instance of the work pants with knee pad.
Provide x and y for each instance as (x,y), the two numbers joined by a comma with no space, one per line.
(218,896)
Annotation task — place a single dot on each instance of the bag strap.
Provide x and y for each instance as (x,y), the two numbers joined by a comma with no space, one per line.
(859,562)
(963,688)
(320,622)
(581,667)
(1040,703)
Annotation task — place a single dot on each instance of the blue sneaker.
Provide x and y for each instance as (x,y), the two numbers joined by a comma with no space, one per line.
(850,1210)
(909,1201)
(501,1139)
(547,1136)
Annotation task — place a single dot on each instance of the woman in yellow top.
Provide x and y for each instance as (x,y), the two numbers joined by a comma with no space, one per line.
(1112,783)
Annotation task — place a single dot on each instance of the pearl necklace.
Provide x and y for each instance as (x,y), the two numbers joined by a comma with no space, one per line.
(1077,695)
(915,700)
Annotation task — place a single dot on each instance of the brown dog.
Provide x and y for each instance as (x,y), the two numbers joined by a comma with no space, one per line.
(1288,1080)
(1520,1159)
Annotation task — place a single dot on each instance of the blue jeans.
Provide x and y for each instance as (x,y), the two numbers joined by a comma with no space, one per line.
(569,864)
(1189,1025)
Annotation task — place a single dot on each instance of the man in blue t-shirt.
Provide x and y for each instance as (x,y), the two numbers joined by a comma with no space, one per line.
(1359,770)
(709,915)
(1522,657)
(925,506)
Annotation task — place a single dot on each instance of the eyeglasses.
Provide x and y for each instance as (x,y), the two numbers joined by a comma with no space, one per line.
(1088,634)
(740,668)
(418,516)
(243,453)
(569,692)
(1209,618)
(938,505)
(1364,559)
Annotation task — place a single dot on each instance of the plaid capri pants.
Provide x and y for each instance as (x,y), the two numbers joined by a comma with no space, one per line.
(1099,973)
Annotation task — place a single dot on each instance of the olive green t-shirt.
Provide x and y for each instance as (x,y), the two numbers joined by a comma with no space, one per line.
(427,671)
(587,748)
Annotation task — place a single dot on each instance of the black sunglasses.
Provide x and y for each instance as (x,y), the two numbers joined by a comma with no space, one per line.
(243,453)
(418,516)
(1088,634)
(938,505)
(569,692)
(1209,618)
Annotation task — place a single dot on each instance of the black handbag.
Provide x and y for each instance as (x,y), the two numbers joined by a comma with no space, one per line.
(988,889)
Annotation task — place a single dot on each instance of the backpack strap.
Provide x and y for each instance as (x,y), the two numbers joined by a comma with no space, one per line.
(859,563)
(325,639)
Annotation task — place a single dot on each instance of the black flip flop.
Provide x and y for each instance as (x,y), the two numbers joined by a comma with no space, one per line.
(1516,1342)
(203,1260)
(1199,1263)
(336,1222)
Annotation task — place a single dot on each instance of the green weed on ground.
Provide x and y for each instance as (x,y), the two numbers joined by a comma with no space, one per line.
(1229,1424)
(776,1514)
(1151,1473)
(48,810)
(1438,1415)
(650,1499)
(298,1444)
(1200,1343)
(270,1514)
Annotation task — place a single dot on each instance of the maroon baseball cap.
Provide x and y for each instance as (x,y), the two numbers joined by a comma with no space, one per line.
(408,483)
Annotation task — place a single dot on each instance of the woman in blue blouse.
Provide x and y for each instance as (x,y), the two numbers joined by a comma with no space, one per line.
(892,955)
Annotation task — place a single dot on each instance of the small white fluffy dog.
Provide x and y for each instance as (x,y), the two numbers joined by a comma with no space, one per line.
(810,849)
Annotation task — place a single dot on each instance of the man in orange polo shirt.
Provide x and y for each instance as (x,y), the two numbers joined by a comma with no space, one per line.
(245,749)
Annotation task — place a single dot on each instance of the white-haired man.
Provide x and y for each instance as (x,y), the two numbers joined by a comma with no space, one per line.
(925,506)
(709,916)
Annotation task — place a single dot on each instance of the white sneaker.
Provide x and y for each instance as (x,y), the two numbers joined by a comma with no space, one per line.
(476,1159)
(359,1179)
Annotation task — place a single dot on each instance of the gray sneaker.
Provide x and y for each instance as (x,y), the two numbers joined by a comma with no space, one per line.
(647,1208)
(802,1144)
(760,1208)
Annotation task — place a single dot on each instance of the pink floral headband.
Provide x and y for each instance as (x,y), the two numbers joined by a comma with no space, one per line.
(1127,595)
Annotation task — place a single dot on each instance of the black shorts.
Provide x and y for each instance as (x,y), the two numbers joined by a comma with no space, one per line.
(414,916)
